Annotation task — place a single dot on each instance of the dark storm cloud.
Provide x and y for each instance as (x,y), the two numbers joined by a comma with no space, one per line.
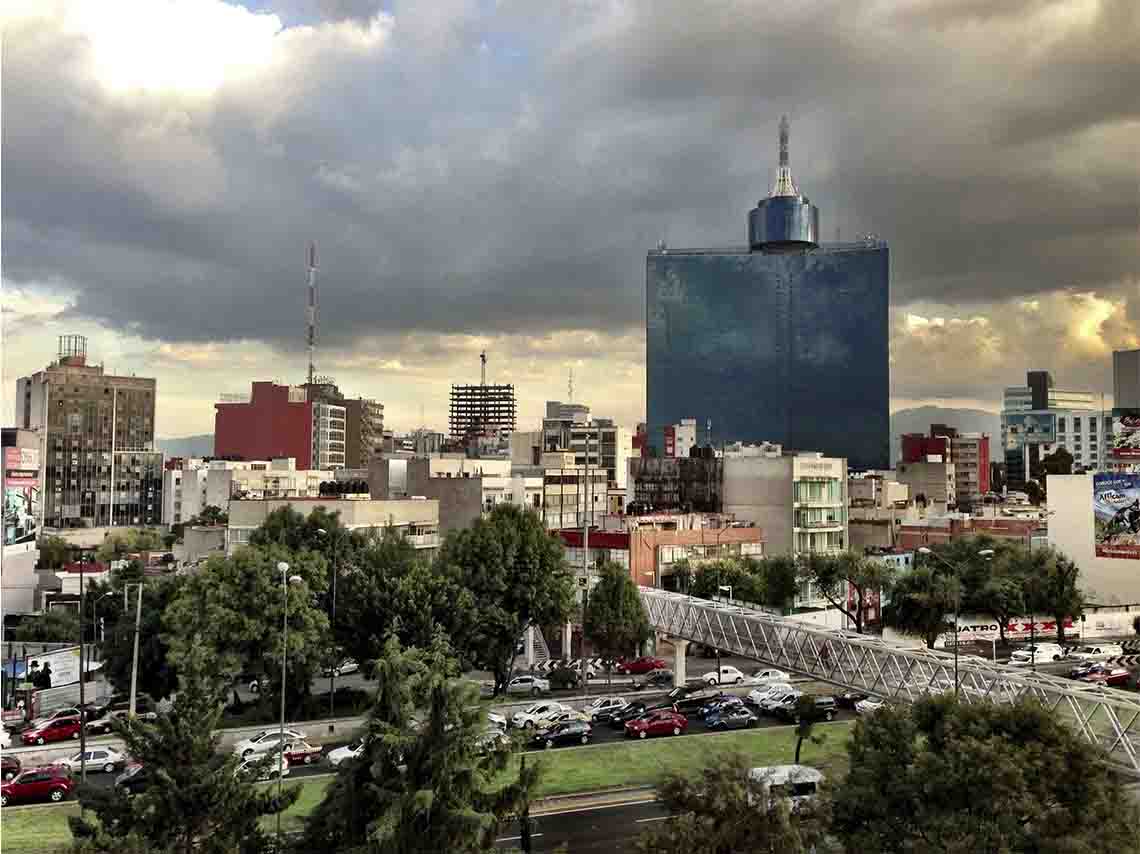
(504,170)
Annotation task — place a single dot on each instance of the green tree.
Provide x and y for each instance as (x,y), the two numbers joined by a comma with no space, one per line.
(725,809)
(508,572)
(781,580)
(838,577)
(234,607)
(616,622)
(211,515)
(59,625)
(54,552)
(157,675)
(920,603)
(1052,586)
(119,543)
(914,787)
(422,785)
(195,803)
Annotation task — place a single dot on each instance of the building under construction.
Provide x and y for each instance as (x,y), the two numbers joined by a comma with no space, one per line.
(481,410)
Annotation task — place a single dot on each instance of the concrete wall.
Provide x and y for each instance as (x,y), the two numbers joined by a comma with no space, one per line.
(759,490)
(18,582)
(460,498)
(1105,580)
(201,542)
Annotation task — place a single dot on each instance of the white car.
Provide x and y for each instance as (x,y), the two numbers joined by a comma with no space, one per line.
(347,666)
(267,739)
(796,782)
(605,704)
(781,698)
(1042,652)
(349,751)
(766,676)
(871,704)
(758,695)
(567,716)
(729,675)
(255,770)
(530,716)
(1098,652)
(533,685)
(576,666)
(497,720)
(99,759)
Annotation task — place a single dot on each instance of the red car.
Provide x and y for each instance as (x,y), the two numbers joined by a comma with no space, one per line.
(56,729)
(662,722)
(1109,676)
(37,784)
(302,753)
(642,665)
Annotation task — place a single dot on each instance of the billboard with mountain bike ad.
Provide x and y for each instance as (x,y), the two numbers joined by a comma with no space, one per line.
(1116,515)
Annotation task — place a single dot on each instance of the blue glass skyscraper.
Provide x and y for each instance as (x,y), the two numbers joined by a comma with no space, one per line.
(783,340)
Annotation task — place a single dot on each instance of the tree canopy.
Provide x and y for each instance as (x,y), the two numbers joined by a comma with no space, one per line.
(59,625)
(157,674)
(920,604)
(834,576)
(119,543)
(616,621)
(914,784)
(770,581)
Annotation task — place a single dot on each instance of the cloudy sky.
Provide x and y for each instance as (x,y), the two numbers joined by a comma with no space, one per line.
(489,175)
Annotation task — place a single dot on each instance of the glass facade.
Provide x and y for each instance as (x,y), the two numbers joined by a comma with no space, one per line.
(784,347)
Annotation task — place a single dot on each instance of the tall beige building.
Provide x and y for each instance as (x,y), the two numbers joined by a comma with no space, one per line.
(98,463)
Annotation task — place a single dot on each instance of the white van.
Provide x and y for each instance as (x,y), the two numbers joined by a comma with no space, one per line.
(1098,652)
(798,782)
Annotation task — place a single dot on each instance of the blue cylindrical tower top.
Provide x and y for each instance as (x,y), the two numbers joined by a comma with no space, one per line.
(785,221)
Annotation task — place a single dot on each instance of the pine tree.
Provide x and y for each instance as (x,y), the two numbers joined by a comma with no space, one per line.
(194,803)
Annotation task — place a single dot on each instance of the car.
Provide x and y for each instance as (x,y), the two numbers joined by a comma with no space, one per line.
(795,782)
(1098,652)
(259,768)
(562,717)
(46,783)
(635,709)
(300,752)
(57,729)
(495,719)
(869,705)
(1037,652)
(605,716)
(824,705)
(1086,668)
(766,676)
(782,698)
(134,779)
(757,696)
(719,704)
(576,666)
(345,667)
(638,666)
(1113,676)
(10,767)
(603,706)
(492,738)
(677,695)
(532,714)
(103,725)
(691,704)
(848,699)
(98,759)
(533,685)
(731,717)
(729,675)
(660,722)
(659,678)
(563,733)
(349,751)
(267,739)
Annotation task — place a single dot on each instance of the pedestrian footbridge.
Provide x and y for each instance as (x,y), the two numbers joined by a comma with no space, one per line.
(1108,717)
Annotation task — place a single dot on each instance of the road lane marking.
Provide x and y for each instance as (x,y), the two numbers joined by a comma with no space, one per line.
(617,805)
(655,818)
(513,838)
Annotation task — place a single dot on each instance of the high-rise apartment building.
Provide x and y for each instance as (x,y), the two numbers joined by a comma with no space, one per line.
(783,339)
(680,438)
(1038,418)
(279,421)
(967,454)
(99,466)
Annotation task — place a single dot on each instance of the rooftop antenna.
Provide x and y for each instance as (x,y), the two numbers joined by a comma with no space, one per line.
(785,186)
(570,385)
(311,312)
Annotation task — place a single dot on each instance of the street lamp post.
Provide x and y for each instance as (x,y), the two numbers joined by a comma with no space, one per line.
(286,580)
(986,553)
(95,616)
(719,588)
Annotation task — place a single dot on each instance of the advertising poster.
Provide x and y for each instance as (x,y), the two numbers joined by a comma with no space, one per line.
(1030,429)
(1116,515)
(63,666)
(21,495)
(1126,437)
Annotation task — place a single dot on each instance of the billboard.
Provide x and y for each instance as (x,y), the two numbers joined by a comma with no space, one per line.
(21,495)
(1125,437)
(1030,428)
(63,665)
(1116,515)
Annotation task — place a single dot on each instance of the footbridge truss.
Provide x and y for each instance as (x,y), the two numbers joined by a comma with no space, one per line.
(1108,717)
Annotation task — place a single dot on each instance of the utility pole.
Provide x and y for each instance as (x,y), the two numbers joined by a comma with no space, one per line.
(135,653)
(586,556)
(82,681)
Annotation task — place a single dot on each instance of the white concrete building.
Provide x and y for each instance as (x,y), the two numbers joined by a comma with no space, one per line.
(328,436)
(261,479)
(1037,419)
(184,491)
(934,480)
(680,438)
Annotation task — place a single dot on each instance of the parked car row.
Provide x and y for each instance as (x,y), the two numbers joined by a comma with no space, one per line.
(1040,653)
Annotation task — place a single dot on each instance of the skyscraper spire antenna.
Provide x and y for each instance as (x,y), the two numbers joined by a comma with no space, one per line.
(785,185)
(311,309)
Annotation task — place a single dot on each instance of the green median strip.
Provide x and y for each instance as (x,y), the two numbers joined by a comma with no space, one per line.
(44,830)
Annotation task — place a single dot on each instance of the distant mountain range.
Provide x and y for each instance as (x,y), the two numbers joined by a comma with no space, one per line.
(187,446)
(919,419)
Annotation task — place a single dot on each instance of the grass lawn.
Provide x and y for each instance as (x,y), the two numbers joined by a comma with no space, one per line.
(44,830)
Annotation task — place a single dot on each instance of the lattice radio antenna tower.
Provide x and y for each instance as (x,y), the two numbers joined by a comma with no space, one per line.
(311,309)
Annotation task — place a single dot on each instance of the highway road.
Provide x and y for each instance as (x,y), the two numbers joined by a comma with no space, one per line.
(611,827)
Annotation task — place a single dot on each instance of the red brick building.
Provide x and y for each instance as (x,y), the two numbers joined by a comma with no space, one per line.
(936,531)
(277,421)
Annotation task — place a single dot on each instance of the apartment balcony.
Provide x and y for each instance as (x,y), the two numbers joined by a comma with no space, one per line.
(423,541)
(821,525)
